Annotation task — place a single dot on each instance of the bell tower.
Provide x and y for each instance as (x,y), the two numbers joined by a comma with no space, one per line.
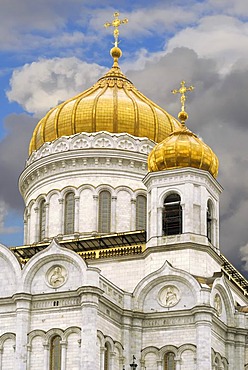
(183,194)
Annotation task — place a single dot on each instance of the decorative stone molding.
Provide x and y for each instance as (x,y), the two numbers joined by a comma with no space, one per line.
(111,292)
(218,304)
(99,140)
(56,276)
(169,296)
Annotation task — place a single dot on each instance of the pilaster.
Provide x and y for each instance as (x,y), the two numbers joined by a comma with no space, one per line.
(203,323)
(89,305)
(23,303)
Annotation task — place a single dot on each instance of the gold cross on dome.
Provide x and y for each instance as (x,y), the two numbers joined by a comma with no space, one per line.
(183,89)
(116,24)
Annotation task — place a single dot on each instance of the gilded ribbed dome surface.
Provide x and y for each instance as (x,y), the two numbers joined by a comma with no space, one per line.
(113,104)
(182,149)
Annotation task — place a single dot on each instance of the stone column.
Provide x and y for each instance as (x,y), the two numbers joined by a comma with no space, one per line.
(142,365)
(178,363)
(23,303)
(133,214)
(159,221)
(160,365)
(153,227)
(136,337)
(36,236)
(76,222)
(203,323)
(113,214)
(230,342)
(61,216)
(47,220)
(89,305)
(187,209)
(28,356)
(126,333)
(111,361)
(1,353)
(63,354)
(95,211)
(240,351)
(102,352)
(46,356)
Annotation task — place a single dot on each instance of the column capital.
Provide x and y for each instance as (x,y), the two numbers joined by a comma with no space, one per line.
(89,295)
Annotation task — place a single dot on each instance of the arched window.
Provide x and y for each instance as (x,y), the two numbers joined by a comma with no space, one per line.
(69,213)
(141,212)
(106,356)
(172,215)
(209,221)
(169,361)
(55,353)
(104,211)
(42,219)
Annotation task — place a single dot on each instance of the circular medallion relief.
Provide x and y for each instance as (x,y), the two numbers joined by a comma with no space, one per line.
(169,296)
(218,304)
(56,276)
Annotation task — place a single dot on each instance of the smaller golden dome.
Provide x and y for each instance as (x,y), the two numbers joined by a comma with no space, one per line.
(182,148)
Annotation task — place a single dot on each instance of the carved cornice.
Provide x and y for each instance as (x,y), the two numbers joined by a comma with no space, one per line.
(97,140)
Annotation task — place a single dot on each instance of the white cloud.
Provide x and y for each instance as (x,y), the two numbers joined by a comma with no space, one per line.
(220,37)
(237,7)
(244,256)
(41,85)
(146,21)
(3,214)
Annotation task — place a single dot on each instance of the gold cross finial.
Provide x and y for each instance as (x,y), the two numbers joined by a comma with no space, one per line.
(183,89)
(116,24)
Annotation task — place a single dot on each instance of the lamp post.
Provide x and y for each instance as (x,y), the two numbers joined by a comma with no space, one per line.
(133,365)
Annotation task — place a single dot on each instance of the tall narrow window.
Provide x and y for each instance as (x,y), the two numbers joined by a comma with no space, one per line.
(169,361)
(209,221)
(172,215)
(55,353)
(69,213)
(104,211)
(141,212)
(42,219)
(106,356)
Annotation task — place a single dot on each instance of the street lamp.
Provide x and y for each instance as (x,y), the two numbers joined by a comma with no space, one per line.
(133,365)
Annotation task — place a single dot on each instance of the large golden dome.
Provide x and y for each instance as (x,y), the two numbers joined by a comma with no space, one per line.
(113,104)
(180,149)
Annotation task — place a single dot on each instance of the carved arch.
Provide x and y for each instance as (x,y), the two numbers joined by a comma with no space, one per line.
(101,338)
(165,349)
(220,285)
(166,193)
(165,273)
(147,350)
(68,331)
(5,337)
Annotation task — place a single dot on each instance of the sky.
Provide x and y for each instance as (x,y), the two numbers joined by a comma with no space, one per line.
(51,50)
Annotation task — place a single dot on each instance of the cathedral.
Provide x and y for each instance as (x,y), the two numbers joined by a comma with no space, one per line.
(121,266)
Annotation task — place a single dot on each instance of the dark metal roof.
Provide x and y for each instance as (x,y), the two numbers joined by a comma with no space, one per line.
(93,243)
(234,275)
(85,244)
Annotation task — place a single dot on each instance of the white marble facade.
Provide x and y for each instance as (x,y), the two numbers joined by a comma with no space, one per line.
(170,300)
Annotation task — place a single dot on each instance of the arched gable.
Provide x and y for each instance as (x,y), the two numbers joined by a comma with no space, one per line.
(221,287)
(10,272)
(39,274)
(166,276)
